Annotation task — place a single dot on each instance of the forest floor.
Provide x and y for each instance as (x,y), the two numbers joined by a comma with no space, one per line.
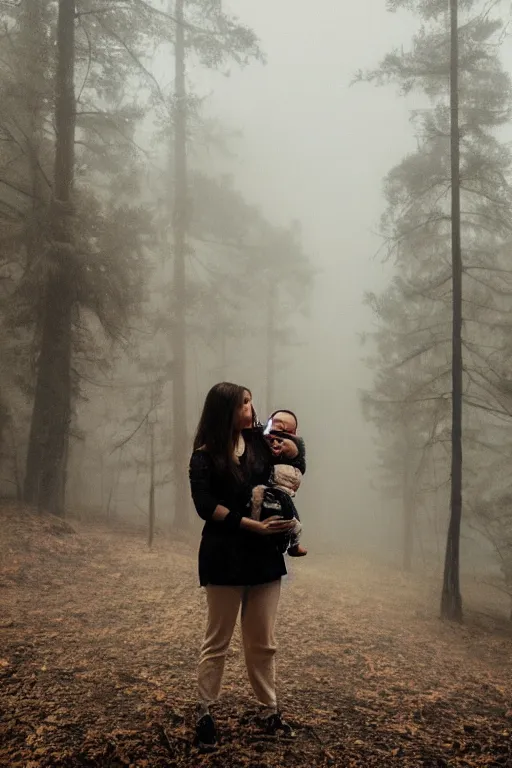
(98,648)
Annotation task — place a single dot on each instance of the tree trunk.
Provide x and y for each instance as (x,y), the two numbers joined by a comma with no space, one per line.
(451,601)
(16,462)
(180,442)
(412,471)
(63,479)
(151,532)
(408,521)
(35,45)
(112,494)
(52,404)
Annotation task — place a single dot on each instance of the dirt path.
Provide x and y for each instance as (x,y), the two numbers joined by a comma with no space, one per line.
(98,648)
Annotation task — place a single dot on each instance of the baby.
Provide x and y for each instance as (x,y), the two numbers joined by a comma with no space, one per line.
(276,498)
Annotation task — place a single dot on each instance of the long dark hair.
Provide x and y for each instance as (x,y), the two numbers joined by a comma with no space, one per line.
(217,430)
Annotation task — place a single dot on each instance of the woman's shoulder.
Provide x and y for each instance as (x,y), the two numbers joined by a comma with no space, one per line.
(200,458)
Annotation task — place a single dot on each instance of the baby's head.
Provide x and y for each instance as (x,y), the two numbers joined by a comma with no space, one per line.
(284,421)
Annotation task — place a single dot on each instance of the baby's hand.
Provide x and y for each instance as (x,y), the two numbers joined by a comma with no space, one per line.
(289,449)
(282,446)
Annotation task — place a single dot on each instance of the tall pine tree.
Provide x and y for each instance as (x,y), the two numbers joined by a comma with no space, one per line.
(421,229)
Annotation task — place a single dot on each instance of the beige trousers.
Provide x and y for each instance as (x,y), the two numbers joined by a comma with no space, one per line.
(259,611)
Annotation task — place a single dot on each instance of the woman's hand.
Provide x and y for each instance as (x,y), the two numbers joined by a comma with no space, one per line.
(273,525)
(268,527)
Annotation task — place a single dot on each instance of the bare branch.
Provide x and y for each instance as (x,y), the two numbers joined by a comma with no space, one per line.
(137,428)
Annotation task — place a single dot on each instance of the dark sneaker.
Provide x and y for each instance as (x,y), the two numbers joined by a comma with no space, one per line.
(206,732)
(275,723)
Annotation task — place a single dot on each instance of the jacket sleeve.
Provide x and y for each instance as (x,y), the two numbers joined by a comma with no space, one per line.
(204,497)
(300,461)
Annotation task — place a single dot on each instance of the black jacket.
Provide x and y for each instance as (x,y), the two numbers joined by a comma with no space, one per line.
(227,554)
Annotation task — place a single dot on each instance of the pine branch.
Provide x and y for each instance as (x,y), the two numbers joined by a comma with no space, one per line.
(499,291)
(150,77)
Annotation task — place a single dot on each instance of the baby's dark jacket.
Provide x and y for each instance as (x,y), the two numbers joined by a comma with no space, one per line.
(300,460)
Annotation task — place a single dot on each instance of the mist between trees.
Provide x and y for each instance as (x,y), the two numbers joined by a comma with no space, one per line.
(132,277)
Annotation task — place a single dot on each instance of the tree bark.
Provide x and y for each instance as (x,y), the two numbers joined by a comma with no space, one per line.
(35,45)
(51,413)
(408,512)
(180,442)
(451,601)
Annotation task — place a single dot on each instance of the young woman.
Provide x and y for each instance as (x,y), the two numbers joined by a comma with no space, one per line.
(240,562)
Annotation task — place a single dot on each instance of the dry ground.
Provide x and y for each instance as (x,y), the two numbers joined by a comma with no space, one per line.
(98,641)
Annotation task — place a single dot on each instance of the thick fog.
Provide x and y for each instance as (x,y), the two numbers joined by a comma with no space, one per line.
(315,148)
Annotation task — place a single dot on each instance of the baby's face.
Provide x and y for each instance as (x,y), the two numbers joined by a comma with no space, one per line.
(284,422)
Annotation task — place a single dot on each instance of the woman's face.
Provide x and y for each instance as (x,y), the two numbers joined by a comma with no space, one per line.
(245,413)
